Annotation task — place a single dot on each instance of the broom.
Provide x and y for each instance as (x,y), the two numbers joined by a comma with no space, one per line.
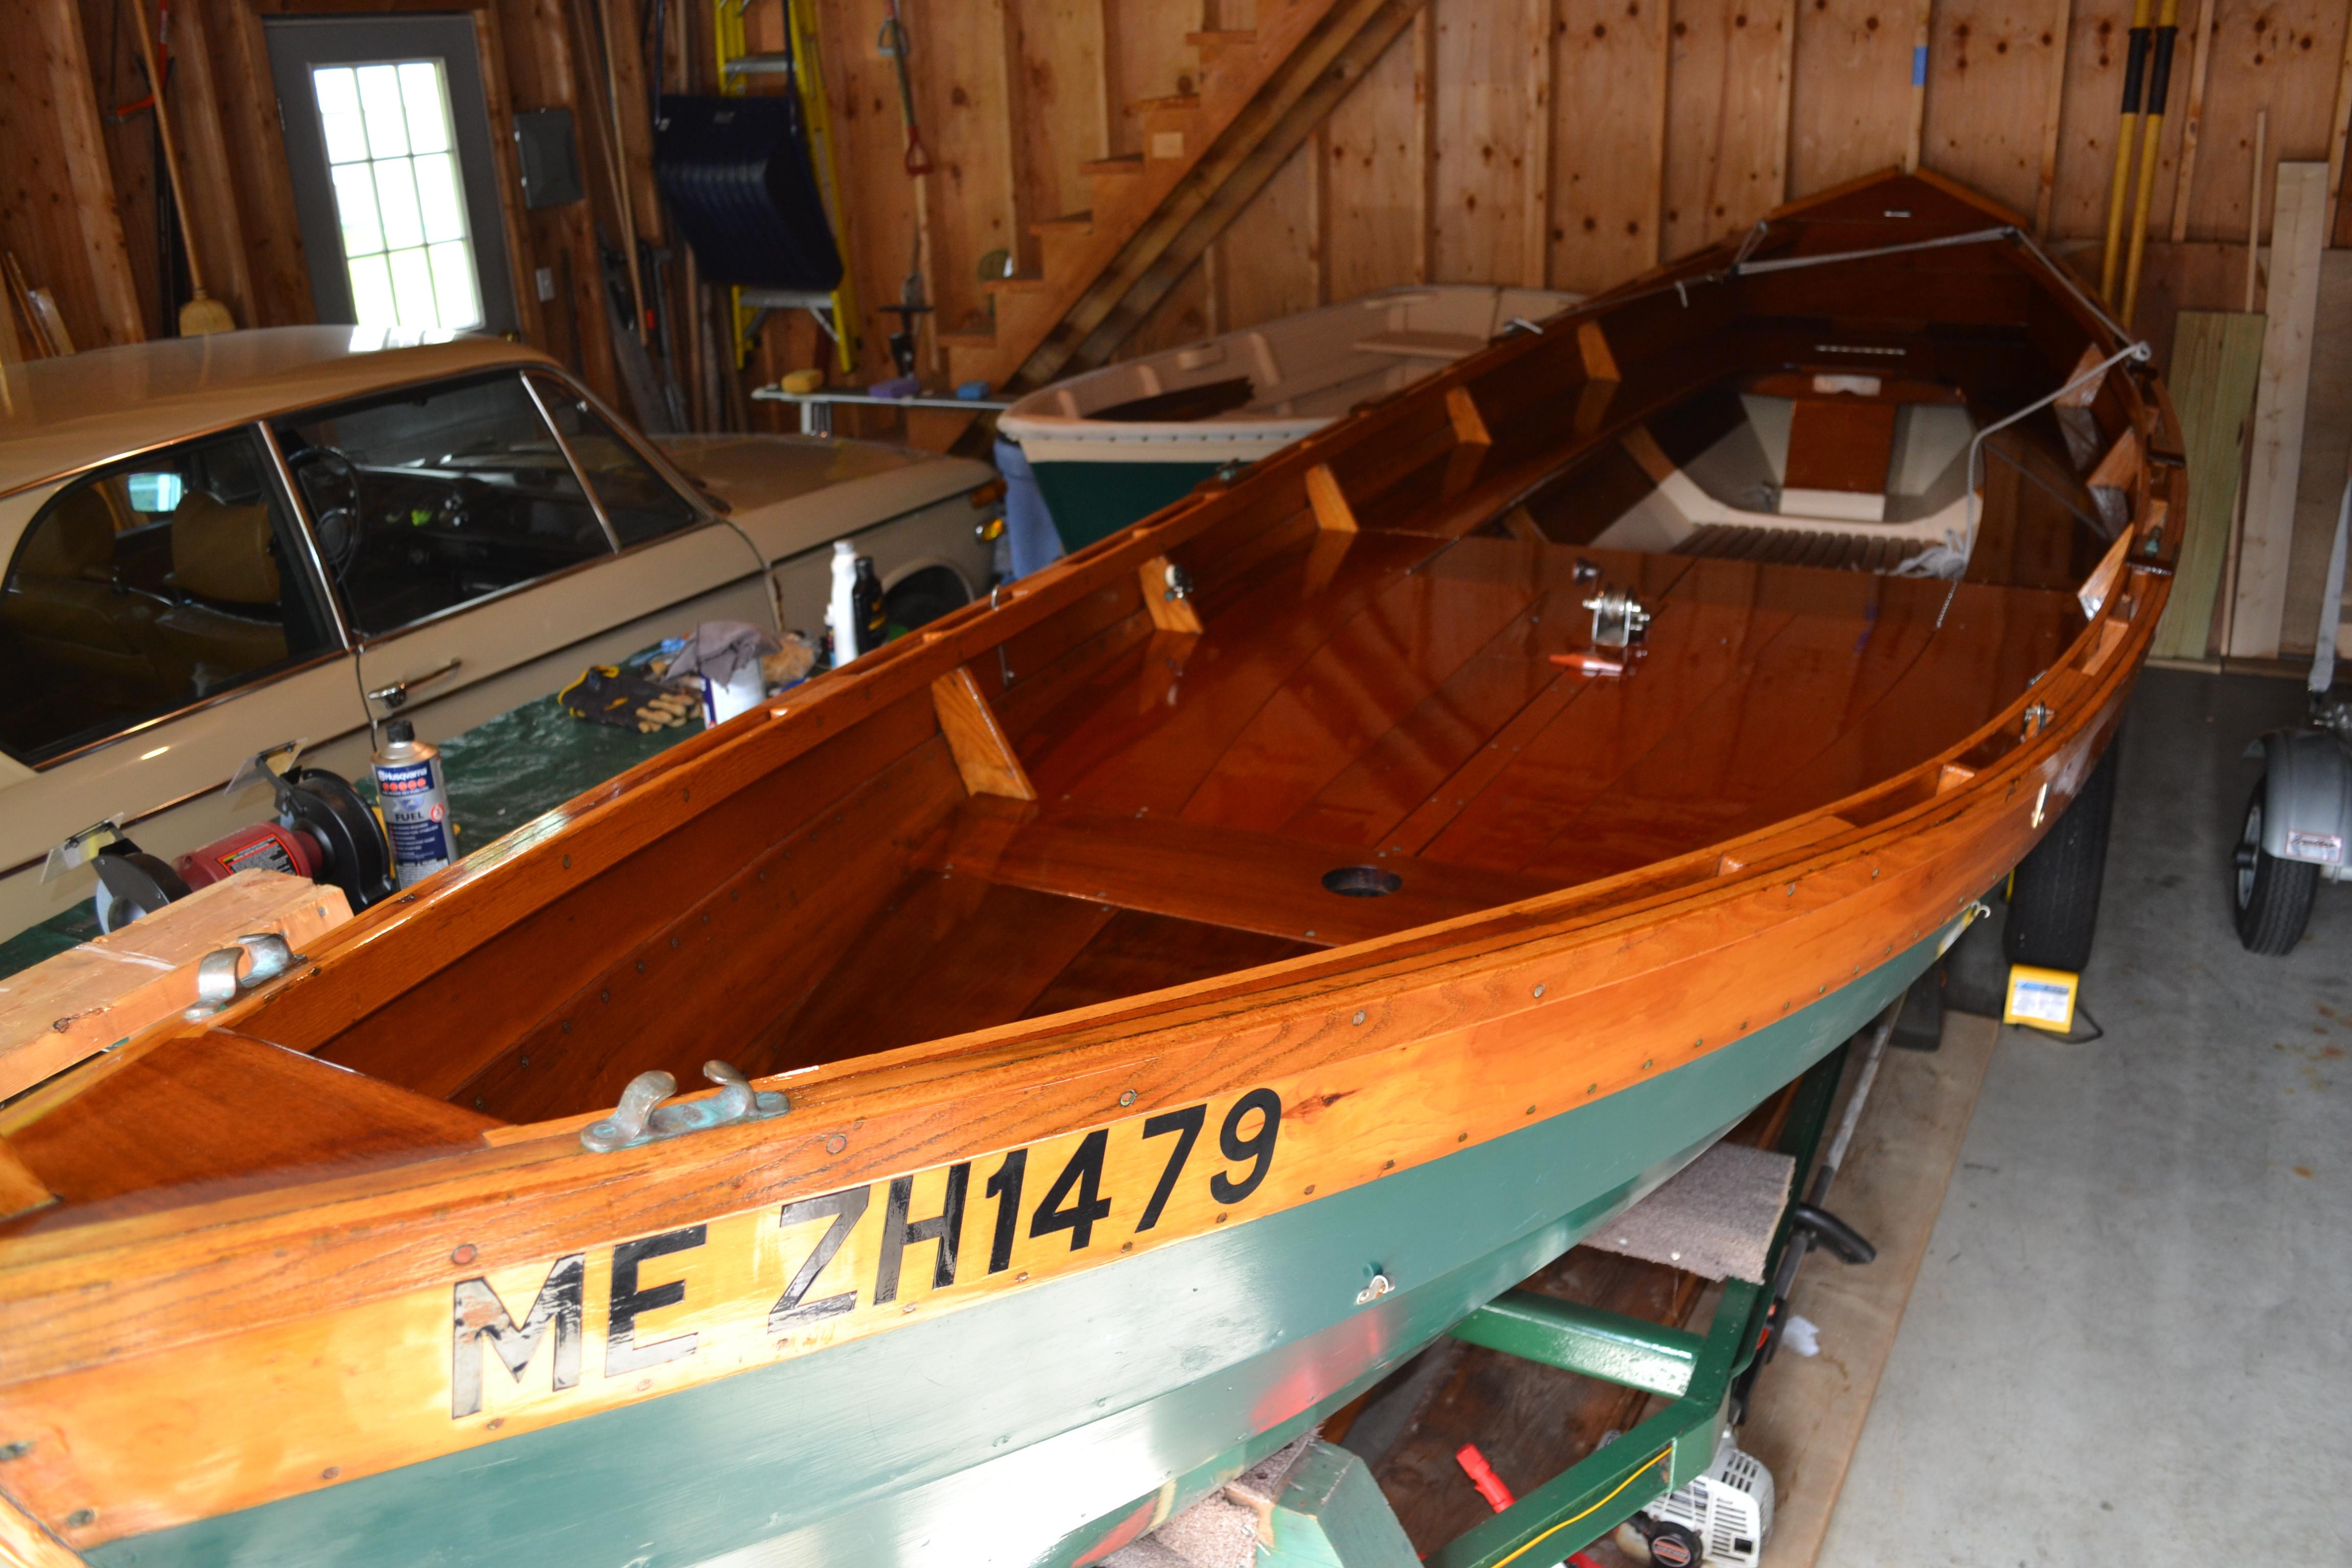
(203,313)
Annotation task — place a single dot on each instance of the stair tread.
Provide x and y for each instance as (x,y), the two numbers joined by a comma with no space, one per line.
(1080,222)
(1122,164)
(1019,283)
(1234,37)
(1175,103)
(969,339)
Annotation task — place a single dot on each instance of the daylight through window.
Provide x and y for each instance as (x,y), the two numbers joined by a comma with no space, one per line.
(393,154)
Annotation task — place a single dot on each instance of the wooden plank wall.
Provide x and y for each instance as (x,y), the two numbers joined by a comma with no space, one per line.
(1569,144)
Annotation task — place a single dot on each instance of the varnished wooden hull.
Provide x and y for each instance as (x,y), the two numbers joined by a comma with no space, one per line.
(1104,1112)
(1035,1427)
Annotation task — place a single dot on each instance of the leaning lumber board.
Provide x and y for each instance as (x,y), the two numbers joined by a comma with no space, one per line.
(2216,356)
(72,1007)
(2327,446)
(2266,546)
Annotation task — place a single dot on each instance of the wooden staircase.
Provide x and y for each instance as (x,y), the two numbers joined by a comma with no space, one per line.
(1205,153)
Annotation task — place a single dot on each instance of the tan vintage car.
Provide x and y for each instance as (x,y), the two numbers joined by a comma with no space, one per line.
(216,544)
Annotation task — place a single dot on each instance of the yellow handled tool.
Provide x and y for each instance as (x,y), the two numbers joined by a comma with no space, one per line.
(2160,78)
(2119,188)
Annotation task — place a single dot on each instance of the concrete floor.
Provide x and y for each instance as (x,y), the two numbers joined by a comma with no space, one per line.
(2129,1341)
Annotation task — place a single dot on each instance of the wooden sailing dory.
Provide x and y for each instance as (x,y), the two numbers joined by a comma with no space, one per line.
(1119,1147)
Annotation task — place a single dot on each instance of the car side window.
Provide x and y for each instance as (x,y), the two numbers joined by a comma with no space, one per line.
(437,496)
(640,502)
(149,586)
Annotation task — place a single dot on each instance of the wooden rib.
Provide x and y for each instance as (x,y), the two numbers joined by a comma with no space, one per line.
(1951,776)
(1168,612)
(1593,345)
(1333,512)
(1646,451)
(1469,428)
(2120,466)
(20,1190)
(983,755)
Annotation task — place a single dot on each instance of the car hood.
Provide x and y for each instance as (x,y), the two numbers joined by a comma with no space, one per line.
(796,493)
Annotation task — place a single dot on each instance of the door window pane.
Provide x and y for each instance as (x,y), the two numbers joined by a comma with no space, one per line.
(436,497)
(392,158)
(153,584)
(640,502)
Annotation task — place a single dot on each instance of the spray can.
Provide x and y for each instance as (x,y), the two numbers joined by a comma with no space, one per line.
(866,599)
(415,801)
(841,608)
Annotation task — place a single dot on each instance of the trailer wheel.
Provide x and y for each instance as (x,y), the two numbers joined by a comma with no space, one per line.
(2053,906)
(2272,897)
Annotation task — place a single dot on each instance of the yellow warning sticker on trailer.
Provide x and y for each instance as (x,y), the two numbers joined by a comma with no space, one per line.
(2041,999)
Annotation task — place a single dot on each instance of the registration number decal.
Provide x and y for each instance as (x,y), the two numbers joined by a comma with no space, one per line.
(788,1279)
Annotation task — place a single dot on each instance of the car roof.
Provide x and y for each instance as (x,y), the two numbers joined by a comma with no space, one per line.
(62,415)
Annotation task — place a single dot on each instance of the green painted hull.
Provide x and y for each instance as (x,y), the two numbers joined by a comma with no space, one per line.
(1022,1430)
(1094,500)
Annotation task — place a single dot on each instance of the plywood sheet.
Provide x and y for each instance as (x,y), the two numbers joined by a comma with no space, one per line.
(1489,126)
(1270,261)
(1609,144)
(1852,97)
(1725,152)
(2274,55)
(965,96)
(1988,67)
(1377,191)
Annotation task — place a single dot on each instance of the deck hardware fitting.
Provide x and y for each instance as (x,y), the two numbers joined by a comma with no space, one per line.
(217,983)
(1180,583)
(1539,990)
(2037,718)
(642,1117)
(1619,619)
(1127,1097)
(1360,1015)
(1379,1285)
(836,1144)
(1585,571)
(462,1253)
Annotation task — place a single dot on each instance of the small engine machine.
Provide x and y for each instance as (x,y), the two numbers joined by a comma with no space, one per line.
(1719,1520)
(322,830)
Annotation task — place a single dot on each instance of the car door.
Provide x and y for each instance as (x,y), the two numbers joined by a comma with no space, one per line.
(163,619)
(476,570)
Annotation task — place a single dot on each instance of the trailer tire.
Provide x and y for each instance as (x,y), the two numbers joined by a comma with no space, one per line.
(2272,897)
(2053,902)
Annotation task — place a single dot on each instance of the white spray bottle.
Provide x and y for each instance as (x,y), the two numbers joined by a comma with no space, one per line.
(841,607)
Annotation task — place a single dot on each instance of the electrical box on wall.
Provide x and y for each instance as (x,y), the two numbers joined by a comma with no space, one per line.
(549,157)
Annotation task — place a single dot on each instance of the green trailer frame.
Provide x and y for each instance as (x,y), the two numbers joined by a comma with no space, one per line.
(1332,1515)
